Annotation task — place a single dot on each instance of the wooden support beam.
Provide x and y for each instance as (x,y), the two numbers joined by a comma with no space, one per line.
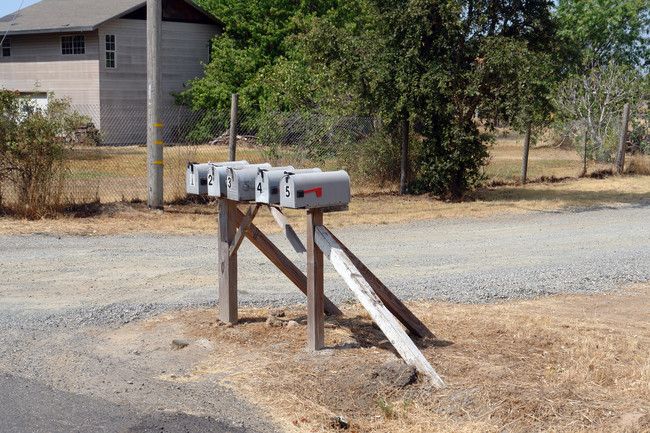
(315,284)
(289,232)
(227,263)
(392,302)
(285,265)
(248,219)
(380,314)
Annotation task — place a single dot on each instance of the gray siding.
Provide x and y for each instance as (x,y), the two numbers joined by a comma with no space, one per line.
(38,59)
(185,46)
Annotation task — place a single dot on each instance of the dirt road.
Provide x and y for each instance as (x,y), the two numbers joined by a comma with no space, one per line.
(64,296)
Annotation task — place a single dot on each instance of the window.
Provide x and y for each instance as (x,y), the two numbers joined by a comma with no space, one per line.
(6,48)
(110,51)
(73,45)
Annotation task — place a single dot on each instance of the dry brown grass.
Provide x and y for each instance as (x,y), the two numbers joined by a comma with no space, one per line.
(561,364)
(376,209)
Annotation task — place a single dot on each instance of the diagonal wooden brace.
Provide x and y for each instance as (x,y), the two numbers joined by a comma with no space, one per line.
(239,237)
(371,302)
(276,256)
(392,302)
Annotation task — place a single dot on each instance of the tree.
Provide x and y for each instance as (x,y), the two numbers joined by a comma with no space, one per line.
(255,57)
(601,31)
(436,65)
(594,101)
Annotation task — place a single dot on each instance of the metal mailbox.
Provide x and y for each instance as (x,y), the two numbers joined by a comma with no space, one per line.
(307,190)
(216,176)
(267,183)
(196,178)
(240,181)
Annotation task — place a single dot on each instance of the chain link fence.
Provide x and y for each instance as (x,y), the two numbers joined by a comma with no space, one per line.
(108,160)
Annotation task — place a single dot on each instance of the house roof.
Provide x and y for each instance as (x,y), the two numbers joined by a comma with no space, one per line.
(53,16)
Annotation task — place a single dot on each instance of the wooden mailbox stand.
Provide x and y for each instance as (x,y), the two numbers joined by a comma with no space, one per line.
(384,307)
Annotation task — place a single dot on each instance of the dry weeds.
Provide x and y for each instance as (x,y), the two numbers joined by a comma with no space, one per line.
(561,364)
(378,209)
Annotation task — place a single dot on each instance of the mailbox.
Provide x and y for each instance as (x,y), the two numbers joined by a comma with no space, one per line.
(267,183)
(216,177)
(196,181)
(240,181)
(307,190)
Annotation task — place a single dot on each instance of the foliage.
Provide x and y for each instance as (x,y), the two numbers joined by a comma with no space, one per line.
(255,56)
(595,101)
(436,64)
(601,31)
(33,149)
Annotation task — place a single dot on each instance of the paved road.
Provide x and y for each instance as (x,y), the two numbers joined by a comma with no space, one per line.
(62,296)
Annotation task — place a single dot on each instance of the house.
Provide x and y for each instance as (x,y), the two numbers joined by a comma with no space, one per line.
(94,52)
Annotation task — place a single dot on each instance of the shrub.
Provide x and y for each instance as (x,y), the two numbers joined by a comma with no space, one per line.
(34,145)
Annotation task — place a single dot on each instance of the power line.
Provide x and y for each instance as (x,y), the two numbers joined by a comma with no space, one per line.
(12,22)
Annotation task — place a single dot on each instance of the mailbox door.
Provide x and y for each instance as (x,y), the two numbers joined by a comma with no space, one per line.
(267,184)
(308,190)
(196,178)
(216,177)
(240,181)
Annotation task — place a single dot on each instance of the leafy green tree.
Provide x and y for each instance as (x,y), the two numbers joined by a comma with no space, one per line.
(600,31)
(255,55)
(436,65)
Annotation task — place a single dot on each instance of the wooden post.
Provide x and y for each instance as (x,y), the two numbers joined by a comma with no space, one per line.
(154,109)
(584,152)
(622,144)
(315,286)
(524,164)
(405,157)
(227,263)
(233,126)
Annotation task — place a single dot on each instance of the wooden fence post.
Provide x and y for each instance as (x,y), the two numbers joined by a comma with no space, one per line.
(584,152)
(315,285)
(524,164)
(622,144)
(405,157)
(234,106)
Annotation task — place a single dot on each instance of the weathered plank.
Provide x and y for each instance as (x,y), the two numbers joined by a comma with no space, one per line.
(227,263)
(392,302)
(315,285)
(289,232)
(371,302)
(285,265)
(248,219)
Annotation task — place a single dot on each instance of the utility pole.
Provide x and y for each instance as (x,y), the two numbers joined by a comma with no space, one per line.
(154,109)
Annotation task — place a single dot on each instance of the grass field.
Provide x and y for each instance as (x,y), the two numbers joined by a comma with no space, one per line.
(111,174)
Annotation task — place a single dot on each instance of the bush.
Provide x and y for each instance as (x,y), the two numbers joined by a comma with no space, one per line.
(34,145)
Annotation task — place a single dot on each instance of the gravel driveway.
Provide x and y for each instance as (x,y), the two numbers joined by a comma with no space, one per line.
(62,294)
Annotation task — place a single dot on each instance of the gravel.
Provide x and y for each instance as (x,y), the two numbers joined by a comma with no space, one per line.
(68,281)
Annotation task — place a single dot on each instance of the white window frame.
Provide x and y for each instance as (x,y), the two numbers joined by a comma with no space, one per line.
(108,51)
(77,45)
